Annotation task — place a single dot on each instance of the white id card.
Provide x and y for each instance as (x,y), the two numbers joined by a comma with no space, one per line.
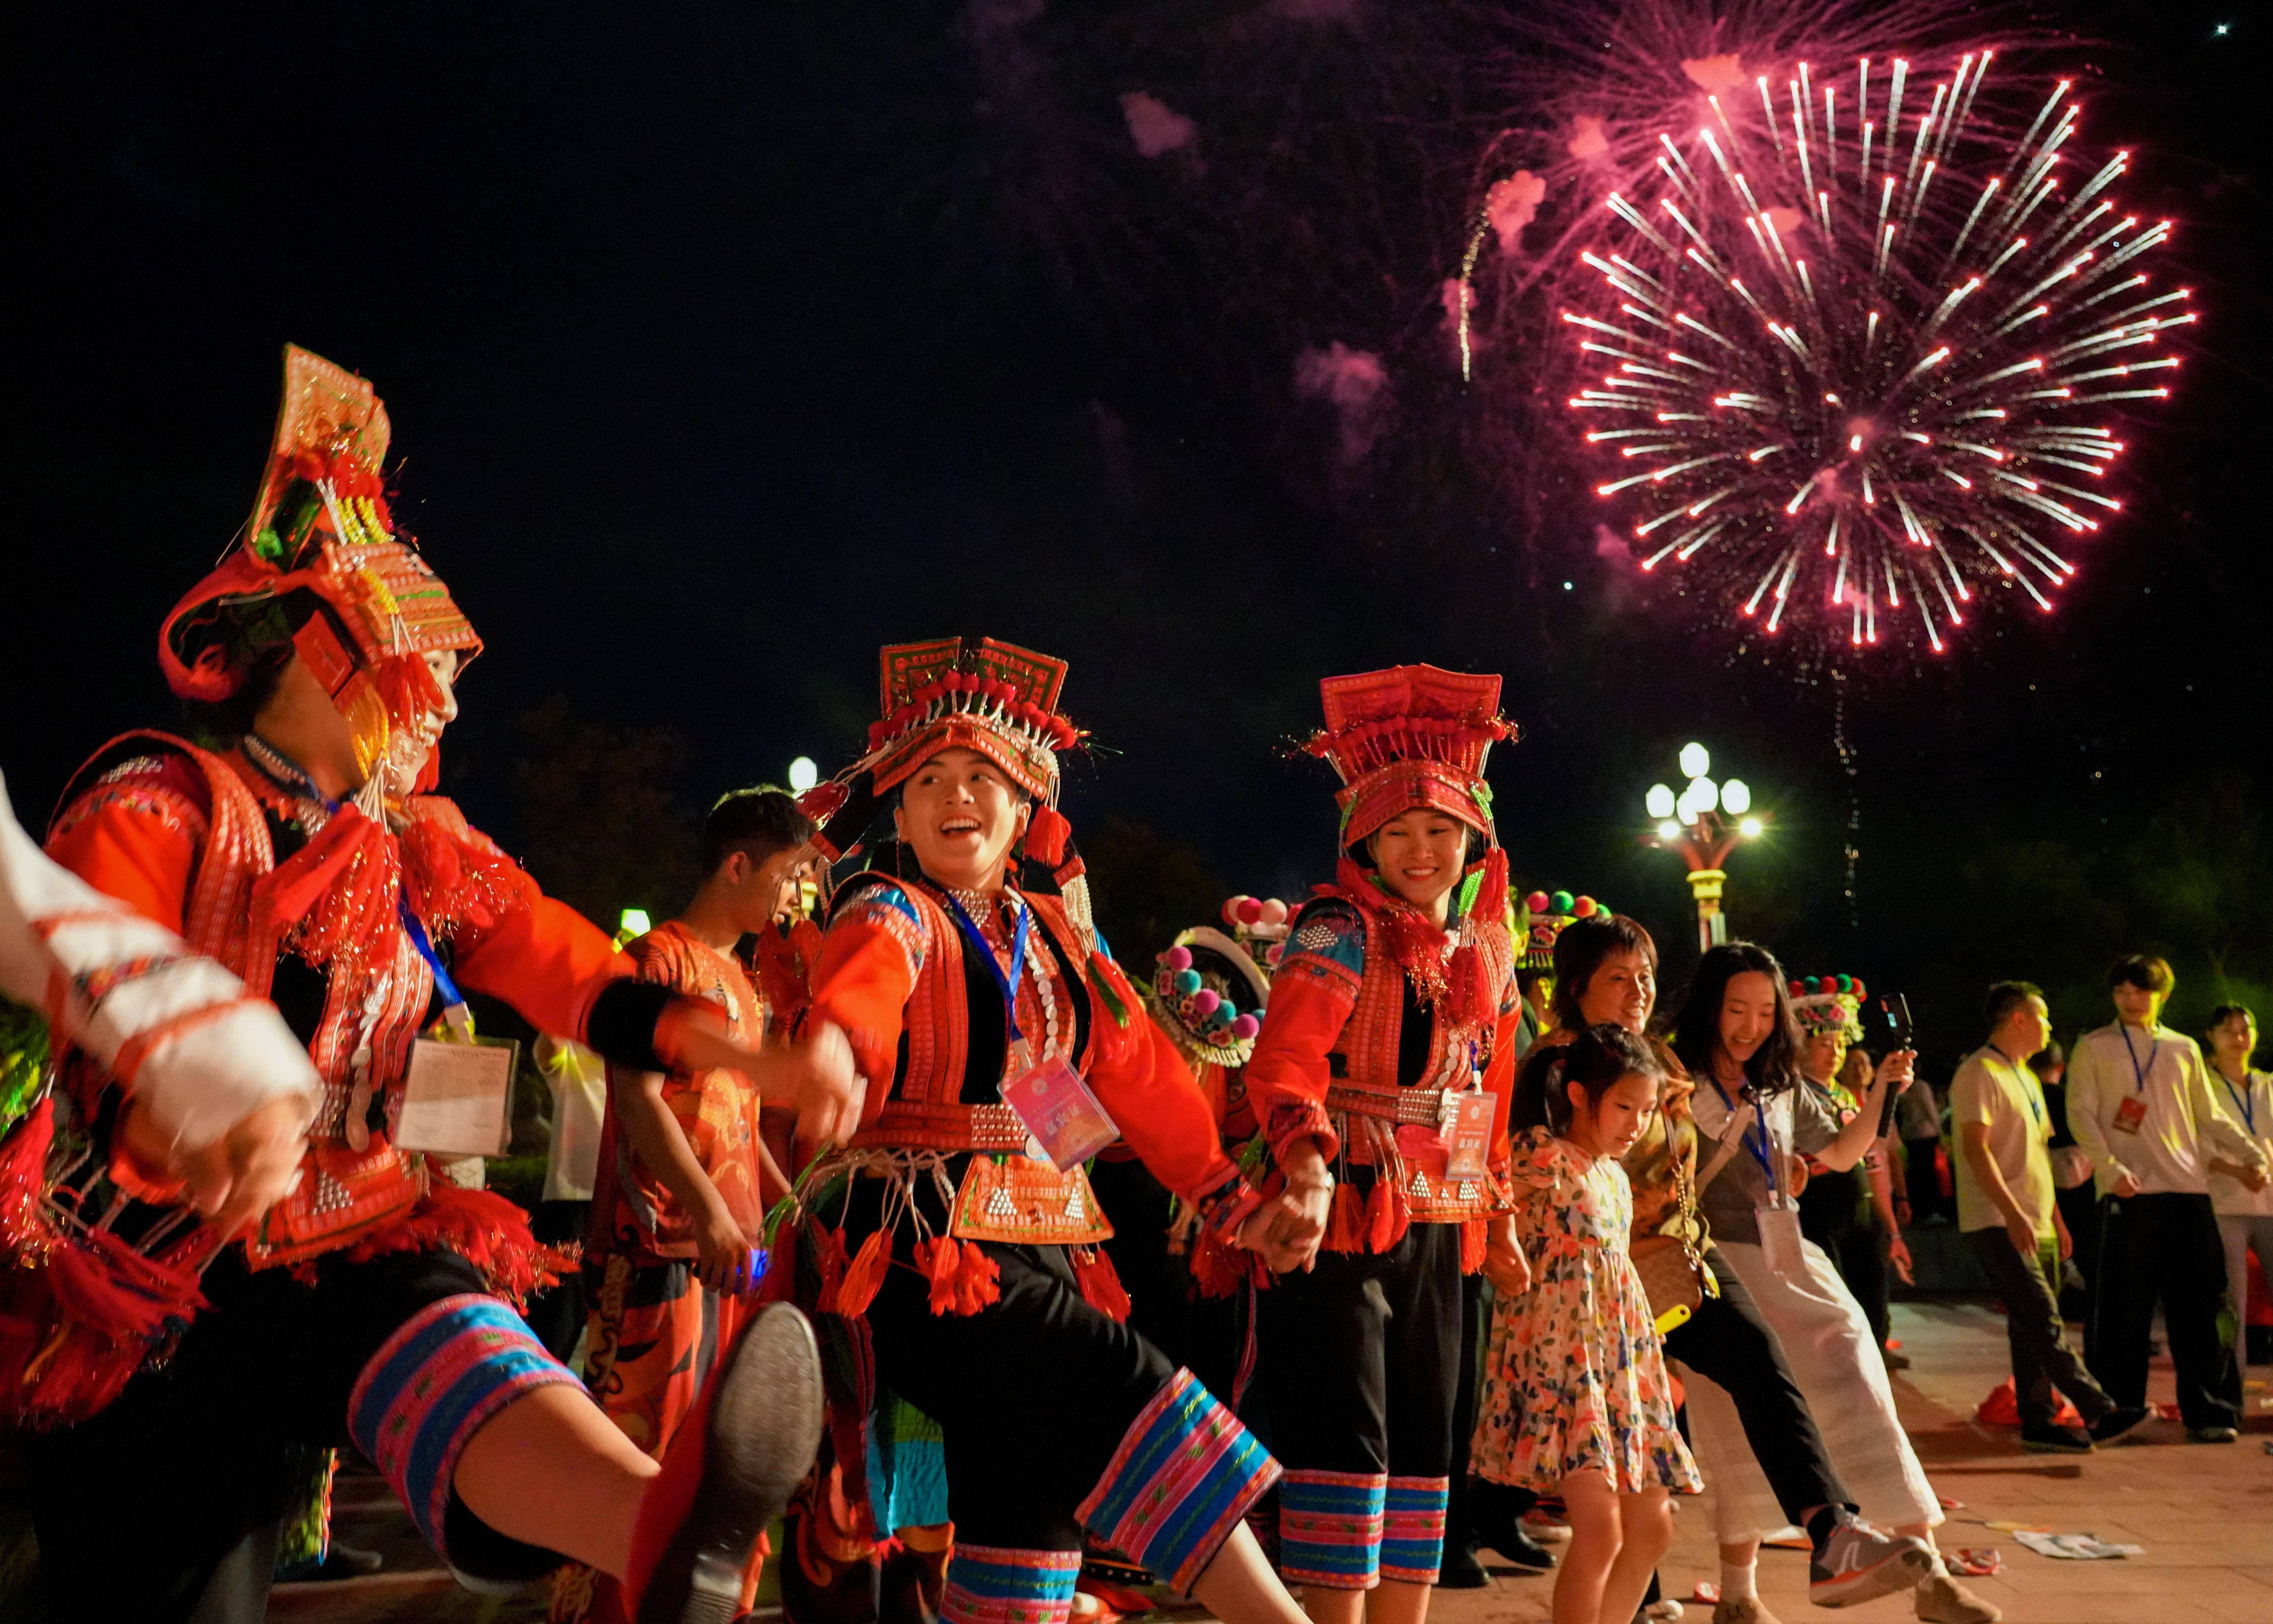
(457,1098)
(1779,1239)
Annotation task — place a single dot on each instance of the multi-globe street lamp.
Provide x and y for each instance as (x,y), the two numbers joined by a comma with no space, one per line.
(1703,823)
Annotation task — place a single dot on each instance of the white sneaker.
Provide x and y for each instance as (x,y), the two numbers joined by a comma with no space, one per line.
(1859,1561)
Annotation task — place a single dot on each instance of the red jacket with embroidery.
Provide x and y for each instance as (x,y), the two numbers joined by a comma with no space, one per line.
(893,975)
(302,906)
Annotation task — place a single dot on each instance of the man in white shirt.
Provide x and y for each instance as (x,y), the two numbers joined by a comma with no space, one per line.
(2008,1213)
(2139,1103)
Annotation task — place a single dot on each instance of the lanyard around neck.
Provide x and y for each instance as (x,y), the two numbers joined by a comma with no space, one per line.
(2244,1098)
(2154,1044)
(1007,985)
(1760,1152)
(2022,1076)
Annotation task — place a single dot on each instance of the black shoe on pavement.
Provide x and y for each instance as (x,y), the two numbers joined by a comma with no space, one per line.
(2120,1423)
(1462,1571)
(2048,1438)
(1505,1536)
(2212,1434)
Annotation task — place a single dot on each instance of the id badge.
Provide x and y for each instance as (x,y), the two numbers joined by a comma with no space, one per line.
(2130,1113)
(1467,1137)
(1779,1239)
(457,1098)
(1060,1113)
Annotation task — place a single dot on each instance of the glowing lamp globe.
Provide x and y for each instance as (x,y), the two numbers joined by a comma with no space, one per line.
(1659,801)
(1751,828)
(1704,794)
(1669,830)
(1696,760)
(634,922)
(803,774)
(1736,797)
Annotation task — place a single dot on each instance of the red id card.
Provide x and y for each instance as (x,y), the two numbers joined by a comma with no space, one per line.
(2130,1113)
(1467,1138)
(1062,1114)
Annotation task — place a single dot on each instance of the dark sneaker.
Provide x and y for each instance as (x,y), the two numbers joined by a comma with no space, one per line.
(760,1427)
(1858,1561)
(1462,1571)
(2212,1434)
(1505,1536)
(2049,1439)
(2120,1423)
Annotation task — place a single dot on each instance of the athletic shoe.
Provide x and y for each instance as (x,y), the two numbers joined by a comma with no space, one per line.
(1943,1600)
(1460,1571)
(729,1472)
(2050,1439)
(1858,1561)
(1745,1609)
(2120,1423)
(1896,1360)
(2212,1434)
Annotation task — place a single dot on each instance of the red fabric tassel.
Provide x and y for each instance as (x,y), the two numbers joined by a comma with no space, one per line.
(1216,1268)
(1047,833)
(79,1312)
(482,1227)
(1387,1215)
(938,1258)
(829,1257)
(1472,1245)
(1346,1222)
(865,1276)
(456,880)
(1100,1283)
(977,1282)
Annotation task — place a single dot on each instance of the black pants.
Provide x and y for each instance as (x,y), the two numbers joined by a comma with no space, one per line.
(171,1496)
(1034,1392)
(2042,1360)
(1727,1342)
(1361,1358)
(1832,1215)
(1205,1334)
(2168,1248)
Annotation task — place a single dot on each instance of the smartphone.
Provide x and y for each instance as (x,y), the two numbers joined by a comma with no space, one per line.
(1890,1021)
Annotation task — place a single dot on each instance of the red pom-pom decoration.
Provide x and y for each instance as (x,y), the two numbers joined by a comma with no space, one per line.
(1535,904)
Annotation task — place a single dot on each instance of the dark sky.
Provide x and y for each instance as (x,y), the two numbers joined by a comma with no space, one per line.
(726,343)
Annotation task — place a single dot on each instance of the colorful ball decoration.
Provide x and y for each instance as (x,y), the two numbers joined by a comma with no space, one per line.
(1188,981)
(1250,911)
(1585,907)
(1274,911)
(1231,910)
(1177,957)
(1206,999)
(1535,904)
(1560,902)
(1245,1027)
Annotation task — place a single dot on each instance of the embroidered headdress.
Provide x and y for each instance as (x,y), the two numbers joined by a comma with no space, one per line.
(971,692)
(1210,992)
(1546,915)
(1410,737)
(321,527)
(1823,1004)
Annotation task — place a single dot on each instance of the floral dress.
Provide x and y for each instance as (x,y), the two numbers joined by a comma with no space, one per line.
(1576,1378)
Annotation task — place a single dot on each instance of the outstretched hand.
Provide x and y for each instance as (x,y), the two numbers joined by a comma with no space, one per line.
(816,1078)
(237,1178)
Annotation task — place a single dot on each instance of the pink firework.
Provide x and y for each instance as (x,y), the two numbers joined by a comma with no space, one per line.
(1862,345)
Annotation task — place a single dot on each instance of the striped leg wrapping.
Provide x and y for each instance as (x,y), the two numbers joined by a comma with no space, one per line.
(1185,1473)
(452,1366)
(1330,1528)
(1413,1529)
(993,1584)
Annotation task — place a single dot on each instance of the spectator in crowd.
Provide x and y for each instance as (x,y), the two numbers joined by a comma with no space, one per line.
(1917,1119)
(2139,1101)
(2241,1196)
(2008,1213)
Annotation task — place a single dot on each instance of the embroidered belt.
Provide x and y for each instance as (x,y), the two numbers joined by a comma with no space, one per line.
(948,1126)
(1425,1105)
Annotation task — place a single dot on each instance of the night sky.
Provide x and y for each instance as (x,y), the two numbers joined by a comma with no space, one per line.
(726,343)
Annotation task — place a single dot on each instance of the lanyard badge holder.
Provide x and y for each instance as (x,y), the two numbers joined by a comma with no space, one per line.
(1062,1118)
(2131,1114)
(1776,1218)
(457,1093)
(1466,1123)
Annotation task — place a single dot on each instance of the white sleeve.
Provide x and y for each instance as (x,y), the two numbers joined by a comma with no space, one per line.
(194,1050)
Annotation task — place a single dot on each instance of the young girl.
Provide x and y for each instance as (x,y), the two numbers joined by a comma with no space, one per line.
(1577,1401)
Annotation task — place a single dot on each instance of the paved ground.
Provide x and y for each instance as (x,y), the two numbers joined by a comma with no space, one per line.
(2204,1515)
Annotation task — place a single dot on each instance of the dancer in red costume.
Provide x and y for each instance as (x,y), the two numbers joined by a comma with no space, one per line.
(1392,1015)
(297,848)
(955,1240)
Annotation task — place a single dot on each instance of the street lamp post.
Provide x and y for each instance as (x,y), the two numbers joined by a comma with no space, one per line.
(1704,823)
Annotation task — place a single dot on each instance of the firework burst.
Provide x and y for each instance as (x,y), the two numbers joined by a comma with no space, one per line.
(1862,347)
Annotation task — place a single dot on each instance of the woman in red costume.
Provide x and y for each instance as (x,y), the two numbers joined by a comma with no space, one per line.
(1383,1058)
(956,1237)
(300,851)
